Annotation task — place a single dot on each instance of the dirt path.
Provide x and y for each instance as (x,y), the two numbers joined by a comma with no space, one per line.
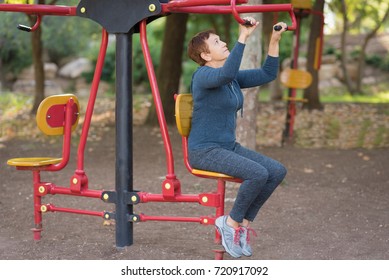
(334,204)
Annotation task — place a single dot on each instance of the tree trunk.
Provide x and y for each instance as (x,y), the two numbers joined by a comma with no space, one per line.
(312,92)
(170,66)
(247,126)
(39,73)
(267,29)
(346,76)
(362,55)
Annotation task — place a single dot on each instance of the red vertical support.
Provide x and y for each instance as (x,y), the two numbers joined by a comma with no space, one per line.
(221,189)
(37,206)
(291,111)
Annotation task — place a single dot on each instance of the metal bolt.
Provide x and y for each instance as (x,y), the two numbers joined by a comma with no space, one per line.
(83,10)
(167,186)
(43,208)
(75,181)
(205,199)
(152,8)
(133,198)
(105,196)
(41,189)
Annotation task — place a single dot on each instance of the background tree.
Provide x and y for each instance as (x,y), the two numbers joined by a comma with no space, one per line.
(36,43)
(312,92)
(247,125)
(170,66)
(361,19)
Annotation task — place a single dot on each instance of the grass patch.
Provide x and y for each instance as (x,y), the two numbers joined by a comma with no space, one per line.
(12,103)
(378,93)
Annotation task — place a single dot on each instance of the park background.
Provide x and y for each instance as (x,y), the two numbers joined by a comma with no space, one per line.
(337,161)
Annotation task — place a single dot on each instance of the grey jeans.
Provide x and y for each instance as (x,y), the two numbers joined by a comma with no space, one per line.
(260,174)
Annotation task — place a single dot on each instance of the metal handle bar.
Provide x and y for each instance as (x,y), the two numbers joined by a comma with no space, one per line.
(34,27)
(193,3)
(237,17)
(39,9)
(215,9)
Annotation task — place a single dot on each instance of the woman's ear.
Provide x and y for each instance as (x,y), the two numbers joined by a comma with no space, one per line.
(206,56)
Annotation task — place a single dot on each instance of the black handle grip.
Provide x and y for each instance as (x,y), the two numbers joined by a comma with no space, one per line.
(279,27)
(247,23)
(24,28)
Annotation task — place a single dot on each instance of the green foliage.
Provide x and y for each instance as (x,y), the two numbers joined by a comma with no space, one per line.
(378,61)
(13,102)
(68,36)
(108,72)
(15,46)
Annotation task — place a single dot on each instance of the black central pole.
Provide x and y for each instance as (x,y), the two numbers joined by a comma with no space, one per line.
(124,164)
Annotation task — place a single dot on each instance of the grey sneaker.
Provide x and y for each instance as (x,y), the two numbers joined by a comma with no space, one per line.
(230,237)
(245,241)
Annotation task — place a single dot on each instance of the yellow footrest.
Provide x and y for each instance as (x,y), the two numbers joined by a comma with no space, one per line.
(211,174)
(33,161)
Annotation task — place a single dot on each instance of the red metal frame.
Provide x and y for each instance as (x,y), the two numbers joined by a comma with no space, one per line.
(79,174)
(52,10)
(296,49)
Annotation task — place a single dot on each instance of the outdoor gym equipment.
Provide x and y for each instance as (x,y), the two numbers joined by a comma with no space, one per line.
(122,18)
(293,78)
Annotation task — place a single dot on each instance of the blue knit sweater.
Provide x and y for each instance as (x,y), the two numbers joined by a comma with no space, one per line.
(218,97)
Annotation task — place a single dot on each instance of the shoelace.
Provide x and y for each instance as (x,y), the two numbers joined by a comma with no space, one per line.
(237,235)
(248,234)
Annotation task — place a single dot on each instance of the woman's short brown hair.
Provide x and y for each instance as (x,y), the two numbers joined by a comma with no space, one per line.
(197,46)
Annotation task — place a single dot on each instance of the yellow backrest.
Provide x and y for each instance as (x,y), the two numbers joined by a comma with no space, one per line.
(294,78)
(302,4)
(50,116)
(183,110)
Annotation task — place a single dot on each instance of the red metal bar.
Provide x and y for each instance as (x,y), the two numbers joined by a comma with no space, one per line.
(292,103)
(92,99)
(192,3)
(37,203)
(221,187)
(209,9)
(36,25)
(157,101)
(185,153)
(145,218)
(53,189)
(149,197)
(66,139)
(40,9)
(235,12)
(53,208)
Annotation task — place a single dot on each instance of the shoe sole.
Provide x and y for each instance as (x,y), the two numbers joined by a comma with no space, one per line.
(219,229)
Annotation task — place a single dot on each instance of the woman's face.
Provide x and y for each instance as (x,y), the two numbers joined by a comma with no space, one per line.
(218,50)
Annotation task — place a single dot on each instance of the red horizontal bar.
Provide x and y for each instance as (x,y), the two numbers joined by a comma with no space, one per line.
(209,9)
(145,218)
(192,3)
(40,9)
(52,208)
(149,197)
(66,191)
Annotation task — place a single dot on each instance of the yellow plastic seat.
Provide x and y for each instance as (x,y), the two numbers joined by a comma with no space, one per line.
(294,78)
(33,161)
(51,119)
(184,110)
